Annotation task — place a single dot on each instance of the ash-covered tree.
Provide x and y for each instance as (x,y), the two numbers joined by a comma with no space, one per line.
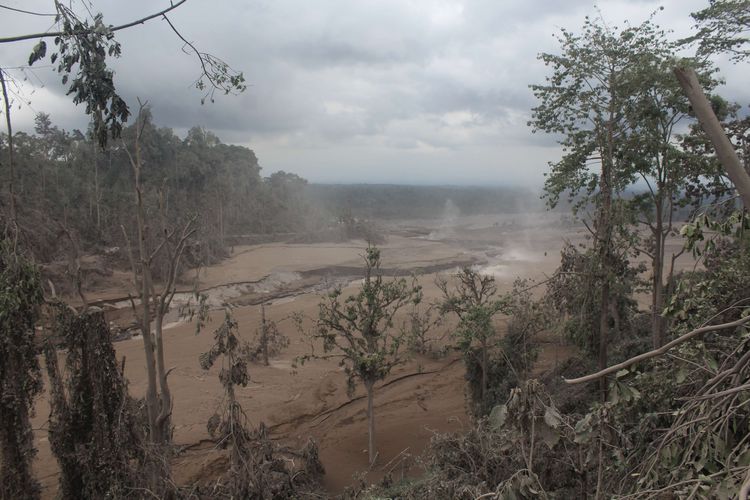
(258,468)
(586,101)
(20,375)
(722,28)
(418,326)
(579,311)
(474,301)
(653,157)
(360,331)
(83,48)
(229,424)
(268,341)
(92,429)
(150,254)
(529,317)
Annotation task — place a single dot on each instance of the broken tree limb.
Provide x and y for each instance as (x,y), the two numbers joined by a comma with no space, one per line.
(657,352)
(713,129)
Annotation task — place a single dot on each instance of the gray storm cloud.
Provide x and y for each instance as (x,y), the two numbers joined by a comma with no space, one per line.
(431,91)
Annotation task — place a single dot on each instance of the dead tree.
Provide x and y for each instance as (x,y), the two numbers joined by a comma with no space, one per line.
(154,304)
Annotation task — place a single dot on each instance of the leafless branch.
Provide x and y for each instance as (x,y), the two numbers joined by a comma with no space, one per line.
(14,9)
(50,34)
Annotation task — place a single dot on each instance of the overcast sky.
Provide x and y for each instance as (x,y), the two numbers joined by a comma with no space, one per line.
(384,91)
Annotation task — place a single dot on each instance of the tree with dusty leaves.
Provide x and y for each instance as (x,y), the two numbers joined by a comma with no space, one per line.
(589,101)
(93,429)
(20,375)
(474,301)
(360,331)
(83,47)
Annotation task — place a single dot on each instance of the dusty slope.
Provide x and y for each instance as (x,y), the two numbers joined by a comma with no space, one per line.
(419,398)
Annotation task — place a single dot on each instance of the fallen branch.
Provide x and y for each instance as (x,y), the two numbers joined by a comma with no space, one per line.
(656,352)
(721,394)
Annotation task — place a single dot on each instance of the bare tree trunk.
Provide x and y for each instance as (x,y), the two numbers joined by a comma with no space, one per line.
(707,118)
(97,198)
(657,283)
(371,453)
(221,218)
(604,240)
(264,334)
(600,465)
(158,468)
(162,303)
(11,165)
(604,334)
(165,398)
(145,293)
(484,373)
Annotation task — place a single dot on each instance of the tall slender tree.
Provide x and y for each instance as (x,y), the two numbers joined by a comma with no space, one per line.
(154,300)
(653,156)
(585,102)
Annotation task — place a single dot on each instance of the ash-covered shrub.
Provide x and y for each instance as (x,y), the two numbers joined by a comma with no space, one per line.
(20,375)
(258,467)
(93,428)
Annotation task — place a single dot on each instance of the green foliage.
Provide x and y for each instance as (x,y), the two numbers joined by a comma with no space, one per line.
(473,300)
(92,429)
(708,189)
(586,100)
(82,51)
(499,374)
(717,290)
(511,356)
(524,450)
(20,375)
(613,101)
(677,424)
(82,48)
(228,425)
(475,326)
(528,318)
(527,419)
(487,354)
(417,328)
(722,28)
(359,329)
(228,346)
(574,292)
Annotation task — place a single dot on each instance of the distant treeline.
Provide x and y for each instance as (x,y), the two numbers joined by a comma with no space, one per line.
(66,186)
(389,201)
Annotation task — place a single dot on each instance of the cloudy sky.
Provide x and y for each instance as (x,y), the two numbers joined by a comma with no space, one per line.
(385,91)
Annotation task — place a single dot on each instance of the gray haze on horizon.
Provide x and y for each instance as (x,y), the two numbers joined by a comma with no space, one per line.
(375,91)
